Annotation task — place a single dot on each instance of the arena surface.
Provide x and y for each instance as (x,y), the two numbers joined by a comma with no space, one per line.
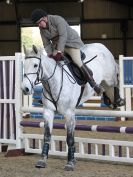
(24,166)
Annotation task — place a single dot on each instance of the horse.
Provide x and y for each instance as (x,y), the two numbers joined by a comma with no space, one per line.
(61,93)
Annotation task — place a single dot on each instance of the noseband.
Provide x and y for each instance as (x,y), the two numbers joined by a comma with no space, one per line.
(37,73)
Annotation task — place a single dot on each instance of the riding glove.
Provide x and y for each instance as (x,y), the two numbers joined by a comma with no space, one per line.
(58,56)
(50,56)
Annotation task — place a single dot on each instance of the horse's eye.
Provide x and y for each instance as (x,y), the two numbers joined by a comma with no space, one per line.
(35,65)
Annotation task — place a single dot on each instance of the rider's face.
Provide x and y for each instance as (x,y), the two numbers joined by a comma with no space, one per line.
(42,23)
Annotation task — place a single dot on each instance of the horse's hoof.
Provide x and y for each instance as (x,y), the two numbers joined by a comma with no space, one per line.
(41,164)
(70,165)
(120,102)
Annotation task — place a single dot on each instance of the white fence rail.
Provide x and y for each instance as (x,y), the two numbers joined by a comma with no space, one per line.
(99,149)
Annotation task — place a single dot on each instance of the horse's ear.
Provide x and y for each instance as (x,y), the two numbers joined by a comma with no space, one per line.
(35,49)
(25,51)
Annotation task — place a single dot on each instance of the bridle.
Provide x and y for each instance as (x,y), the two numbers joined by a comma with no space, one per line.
(40,69)
(44,82)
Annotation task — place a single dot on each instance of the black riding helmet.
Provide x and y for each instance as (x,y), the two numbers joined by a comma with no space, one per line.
(37,14)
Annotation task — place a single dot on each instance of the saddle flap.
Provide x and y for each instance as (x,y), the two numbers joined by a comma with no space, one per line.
(75,70)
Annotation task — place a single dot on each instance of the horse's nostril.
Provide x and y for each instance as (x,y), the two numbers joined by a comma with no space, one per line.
(26,89)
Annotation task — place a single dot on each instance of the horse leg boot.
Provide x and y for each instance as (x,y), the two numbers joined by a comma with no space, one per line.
(47,138)
(118,101)
(89,77)
(71,150)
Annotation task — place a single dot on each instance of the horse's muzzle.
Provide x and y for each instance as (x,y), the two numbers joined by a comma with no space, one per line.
(26,90)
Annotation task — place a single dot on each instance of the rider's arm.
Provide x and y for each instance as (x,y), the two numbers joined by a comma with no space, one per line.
(61,26)
(46,43)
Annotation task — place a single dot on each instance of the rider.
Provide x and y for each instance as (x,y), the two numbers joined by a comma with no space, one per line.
(59,37)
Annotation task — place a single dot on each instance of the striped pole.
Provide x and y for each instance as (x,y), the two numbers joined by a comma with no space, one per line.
(96,128)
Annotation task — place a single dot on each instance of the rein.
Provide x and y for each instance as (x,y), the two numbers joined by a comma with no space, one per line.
(46,85)
(91,59)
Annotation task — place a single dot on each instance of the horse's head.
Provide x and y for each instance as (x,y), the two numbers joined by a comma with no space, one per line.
(32,69)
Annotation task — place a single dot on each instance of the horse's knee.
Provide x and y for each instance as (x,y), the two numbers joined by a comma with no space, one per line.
(70,121)
(70,125)
(48,114)
(49,117)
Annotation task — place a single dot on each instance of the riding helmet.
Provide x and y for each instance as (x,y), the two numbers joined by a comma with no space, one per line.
(37,14)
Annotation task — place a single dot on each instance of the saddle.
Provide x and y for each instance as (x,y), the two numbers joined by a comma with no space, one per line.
(74,69)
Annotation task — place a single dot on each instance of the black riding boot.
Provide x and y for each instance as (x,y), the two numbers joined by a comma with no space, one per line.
(89,78)
(117,99)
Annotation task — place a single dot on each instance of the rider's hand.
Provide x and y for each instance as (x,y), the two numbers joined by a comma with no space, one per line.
(58,56)
(50,56)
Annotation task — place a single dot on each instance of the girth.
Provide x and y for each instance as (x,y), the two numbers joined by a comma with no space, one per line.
(80,96)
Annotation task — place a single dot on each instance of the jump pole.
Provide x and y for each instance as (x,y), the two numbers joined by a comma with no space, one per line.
(96,128)
(108,113)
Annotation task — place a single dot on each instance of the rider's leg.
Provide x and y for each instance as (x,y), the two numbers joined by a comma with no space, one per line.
(89,76)
(76,57)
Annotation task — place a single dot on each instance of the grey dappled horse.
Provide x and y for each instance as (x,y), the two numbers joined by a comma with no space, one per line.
(62,94)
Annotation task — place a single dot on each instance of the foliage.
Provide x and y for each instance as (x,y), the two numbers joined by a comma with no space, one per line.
(26,37)
(30,36)
(27,41)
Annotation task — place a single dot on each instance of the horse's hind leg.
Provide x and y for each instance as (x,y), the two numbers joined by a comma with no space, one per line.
(118,101)
(111,96)
(49,115)
(70,126)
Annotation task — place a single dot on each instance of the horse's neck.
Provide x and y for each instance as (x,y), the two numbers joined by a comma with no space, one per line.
(50,70)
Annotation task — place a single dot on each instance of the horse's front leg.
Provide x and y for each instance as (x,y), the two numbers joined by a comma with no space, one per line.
(70,127)
(49,116)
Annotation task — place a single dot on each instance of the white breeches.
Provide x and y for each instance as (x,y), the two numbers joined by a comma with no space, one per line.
(75,55)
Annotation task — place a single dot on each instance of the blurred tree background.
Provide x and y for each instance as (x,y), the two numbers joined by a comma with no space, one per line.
(30,36)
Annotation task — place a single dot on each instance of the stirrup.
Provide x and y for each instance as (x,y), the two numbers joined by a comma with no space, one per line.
(98,89)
